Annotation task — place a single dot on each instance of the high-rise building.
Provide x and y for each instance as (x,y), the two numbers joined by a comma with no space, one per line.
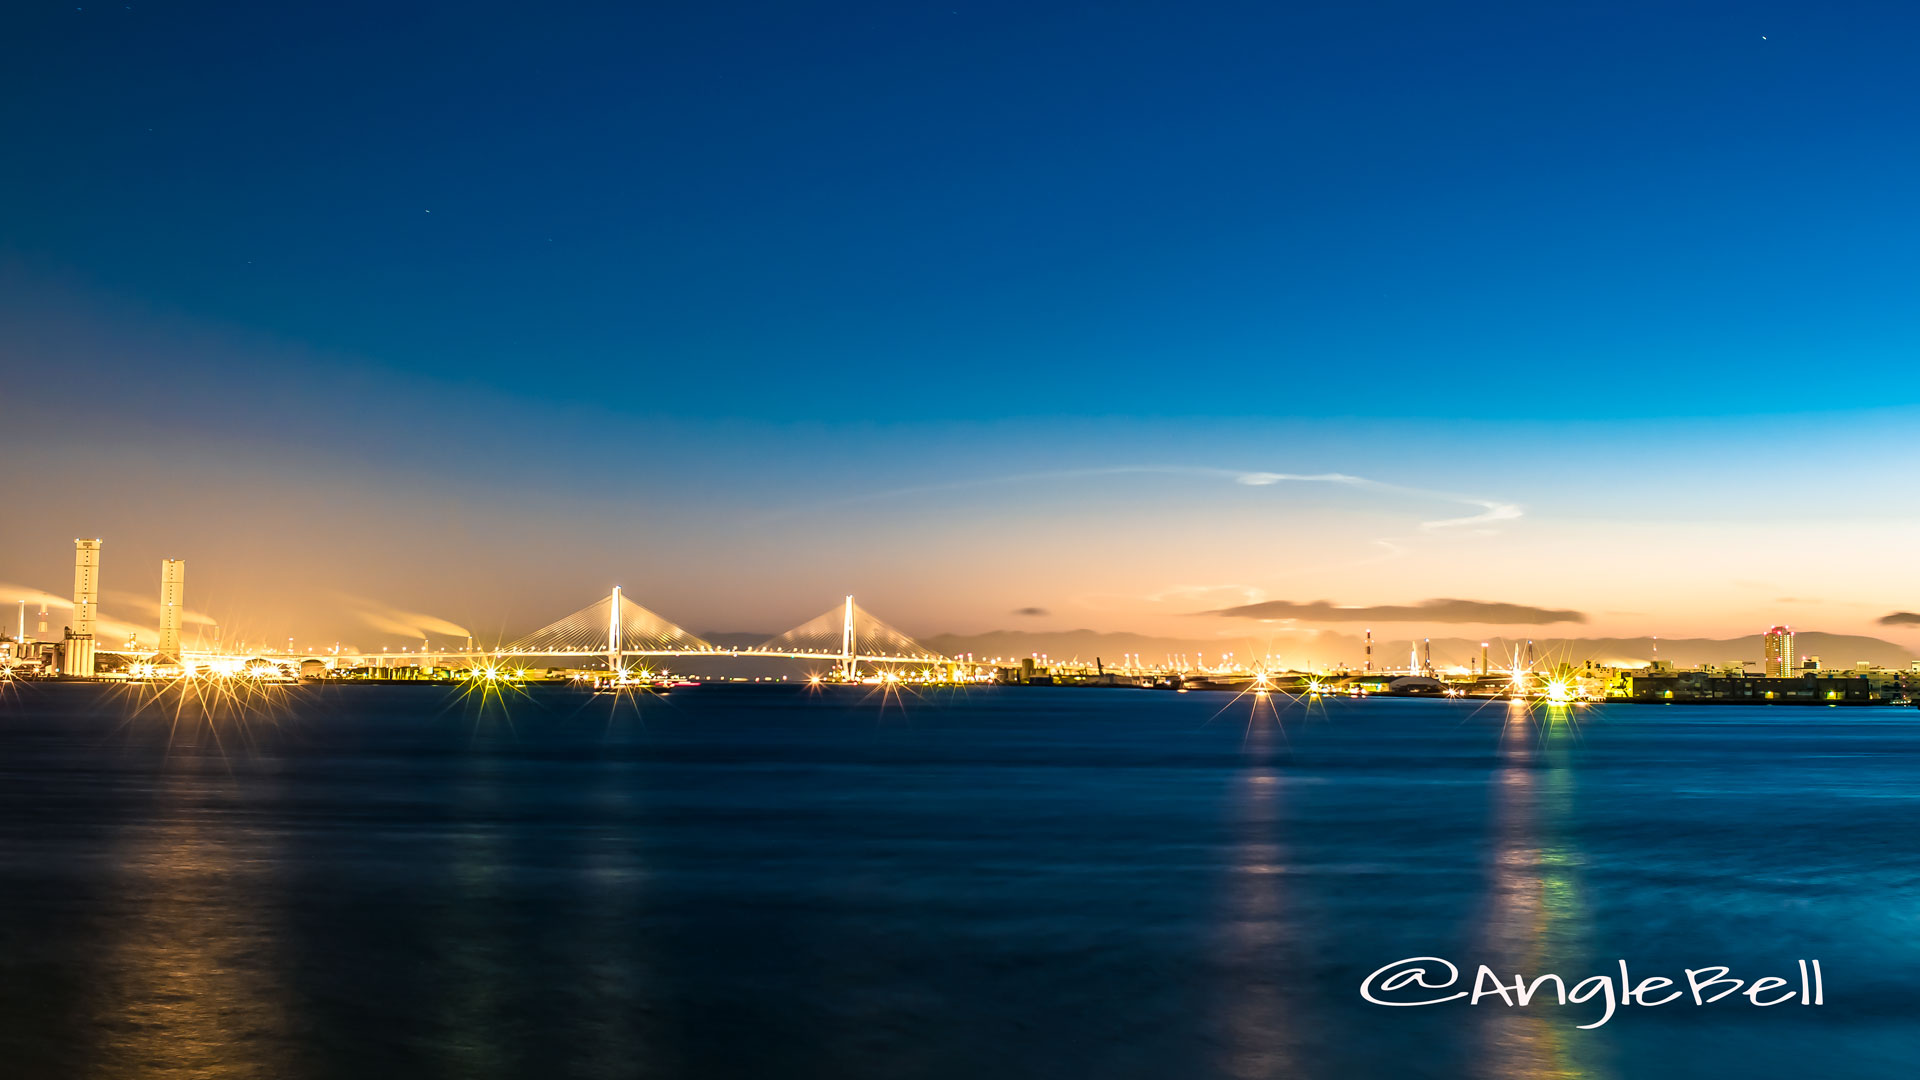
(1779,652)
(86,601)
(173,598)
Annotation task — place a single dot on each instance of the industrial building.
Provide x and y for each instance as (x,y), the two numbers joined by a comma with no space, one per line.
(1850,687)
(86,602)
(173,586)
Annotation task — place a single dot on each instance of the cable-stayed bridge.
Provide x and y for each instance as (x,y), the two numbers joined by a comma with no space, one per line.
(615,629)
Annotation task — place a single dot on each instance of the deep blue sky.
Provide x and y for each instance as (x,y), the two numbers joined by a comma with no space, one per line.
(1004,209)
(480,309)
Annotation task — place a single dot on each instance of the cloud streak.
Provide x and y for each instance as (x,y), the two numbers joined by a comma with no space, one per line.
(1440,611)
(1490,510)
(188,616)
(1487,512)
(1900,618)
(12,594)
(109,631)
(407,624)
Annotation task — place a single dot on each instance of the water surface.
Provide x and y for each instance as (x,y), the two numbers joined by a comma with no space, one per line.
(355,881)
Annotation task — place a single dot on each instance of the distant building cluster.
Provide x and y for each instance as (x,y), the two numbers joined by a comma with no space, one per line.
(1784,677)
(78,652)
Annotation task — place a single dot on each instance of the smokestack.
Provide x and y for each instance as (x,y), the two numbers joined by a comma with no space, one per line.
(1369,648)
(22,635)
(86,601)
(173,599)
(1483,658)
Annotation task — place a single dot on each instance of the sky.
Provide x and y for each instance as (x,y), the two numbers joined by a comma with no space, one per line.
(1184,319)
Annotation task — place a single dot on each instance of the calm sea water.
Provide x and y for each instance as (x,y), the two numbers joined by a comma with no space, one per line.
(352,882)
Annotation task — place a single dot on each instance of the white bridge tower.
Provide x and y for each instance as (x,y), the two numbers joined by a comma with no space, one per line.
(616,655)
(850,666)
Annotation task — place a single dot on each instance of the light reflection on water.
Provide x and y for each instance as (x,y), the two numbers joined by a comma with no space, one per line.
(191,984)
(1258,935)
(470,944)
(614,1035)
(1535,923)
(1018,883)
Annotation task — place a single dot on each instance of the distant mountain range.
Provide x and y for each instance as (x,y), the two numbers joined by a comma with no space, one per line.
(1324,649)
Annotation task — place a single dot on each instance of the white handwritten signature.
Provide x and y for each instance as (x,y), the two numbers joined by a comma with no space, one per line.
(1411,983)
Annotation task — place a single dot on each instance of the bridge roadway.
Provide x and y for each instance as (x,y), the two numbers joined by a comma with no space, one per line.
(468,658)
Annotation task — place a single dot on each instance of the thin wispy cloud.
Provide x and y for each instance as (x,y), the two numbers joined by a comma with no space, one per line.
(1490,510)
(1486,511)
(112,603)
(408,624)
(13,594)
(111,628)
(188,616)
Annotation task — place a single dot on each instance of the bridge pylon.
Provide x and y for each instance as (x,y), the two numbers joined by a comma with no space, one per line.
(613,627)
(616,655)
(846,634)
(849,667)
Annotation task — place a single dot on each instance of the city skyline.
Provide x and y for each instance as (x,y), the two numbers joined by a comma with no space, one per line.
(1293,635)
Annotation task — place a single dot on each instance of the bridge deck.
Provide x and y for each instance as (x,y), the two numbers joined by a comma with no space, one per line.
(600,654)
